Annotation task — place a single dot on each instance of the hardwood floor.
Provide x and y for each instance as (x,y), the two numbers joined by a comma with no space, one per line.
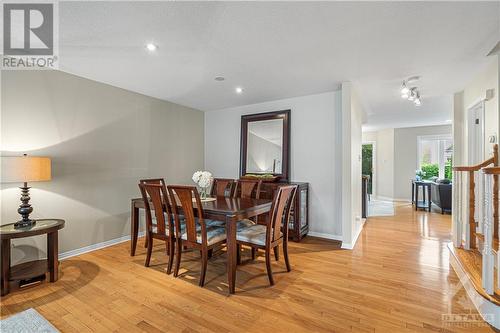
(397,279)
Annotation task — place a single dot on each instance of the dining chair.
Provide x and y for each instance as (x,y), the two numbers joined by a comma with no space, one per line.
(275,232)
(156,200)
(247,188)
(198,233)
(222,187)
(160,181)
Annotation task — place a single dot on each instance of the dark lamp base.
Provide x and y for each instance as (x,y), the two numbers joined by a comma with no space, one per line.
(24,224)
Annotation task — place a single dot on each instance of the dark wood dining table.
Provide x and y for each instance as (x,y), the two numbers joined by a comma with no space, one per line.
(229,210)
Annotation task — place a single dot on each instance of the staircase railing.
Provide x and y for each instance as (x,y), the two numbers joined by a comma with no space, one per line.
(489,250)
(465,179)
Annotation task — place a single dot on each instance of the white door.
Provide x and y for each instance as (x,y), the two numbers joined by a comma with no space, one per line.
(475,133)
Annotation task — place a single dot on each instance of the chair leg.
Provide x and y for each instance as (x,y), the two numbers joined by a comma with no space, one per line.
(238,254)
(277,253)
(167,247)
(204,261)
(170,255)
(150,249)
(268,266)
(178,257)
(254,252)
(285,254)
(210,253)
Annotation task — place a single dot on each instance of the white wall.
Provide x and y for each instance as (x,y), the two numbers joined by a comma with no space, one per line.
(315,151)
(352,120)
(102,140)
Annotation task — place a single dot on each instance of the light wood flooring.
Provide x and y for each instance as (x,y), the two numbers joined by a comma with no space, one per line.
(397,279)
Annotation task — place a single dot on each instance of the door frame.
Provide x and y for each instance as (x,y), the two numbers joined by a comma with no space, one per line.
(471,138)
(374,165)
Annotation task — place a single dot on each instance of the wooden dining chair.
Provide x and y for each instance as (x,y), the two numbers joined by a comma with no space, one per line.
(222,187)
(198,233)
(275,232)
(247,188)
(160,181)
(155,198)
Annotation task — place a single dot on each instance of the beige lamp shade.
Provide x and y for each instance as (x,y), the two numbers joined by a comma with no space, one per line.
(22,169)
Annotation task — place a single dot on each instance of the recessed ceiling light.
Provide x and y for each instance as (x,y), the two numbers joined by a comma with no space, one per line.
(151,47)
(219,78)
(239,90)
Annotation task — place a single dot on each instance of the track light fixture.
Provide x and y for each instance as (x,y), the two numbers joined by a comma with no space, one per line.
(411,93)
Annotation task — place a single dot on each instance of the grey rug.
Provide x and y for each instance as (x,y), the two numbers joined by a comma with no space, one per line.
(29,321)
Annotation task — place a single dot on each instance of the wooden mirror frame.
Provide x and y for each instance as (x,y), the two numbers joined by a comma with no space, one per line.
(285,149)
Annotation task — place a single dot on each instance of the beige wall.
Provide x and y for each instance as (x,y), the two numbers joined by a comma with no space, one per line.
(101,140)
(396,158)
(384,161)
(406,155)
(486,79)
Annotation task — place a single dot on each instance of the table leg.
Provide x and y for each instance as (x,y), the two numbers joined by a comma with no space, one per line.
(416,197)
(134,228)
(231,254)
(5,263)
(429,197)
(412,192)
(53,255)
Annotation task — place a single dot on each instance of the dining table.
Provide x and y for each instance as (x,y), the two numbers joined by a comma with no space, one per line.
(225,209)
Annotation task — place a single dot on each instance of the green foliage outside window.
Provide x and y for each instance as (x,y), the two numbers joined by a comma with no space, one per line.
(430,170)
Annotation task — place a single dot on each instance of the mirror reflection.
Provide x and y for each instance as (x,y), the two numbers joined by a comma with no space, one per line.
(265,143)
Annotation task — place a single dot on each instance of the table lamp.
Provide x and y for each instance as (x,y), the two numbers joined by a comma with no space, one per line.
(24,169)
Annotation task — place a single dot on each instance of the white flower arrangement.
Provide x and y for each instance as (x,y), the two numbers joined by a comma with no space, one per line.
(203,179)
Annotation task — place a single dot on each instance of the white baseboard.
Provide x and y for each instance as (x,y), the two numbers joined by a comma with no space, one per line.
(94,247)
(324,235)
(350,246)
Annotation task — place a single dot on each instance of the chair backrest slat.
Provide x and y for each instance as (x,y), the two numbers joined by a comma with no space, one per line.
(280,212)
(222,187)
(156,199)
(185,196)
(247,188)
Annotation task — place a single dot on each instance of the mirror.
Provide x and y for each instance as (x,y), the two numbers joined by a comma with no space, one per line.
(264,144)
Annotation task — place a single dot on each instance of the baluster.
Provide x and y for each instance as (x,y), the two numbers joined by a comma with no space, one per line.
(487,254)
(472,211)
(466,212)
(480,197)
(455,211)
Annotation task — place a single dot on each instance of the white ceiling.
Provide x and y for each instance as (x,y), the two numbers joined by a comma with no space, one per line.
(279,50)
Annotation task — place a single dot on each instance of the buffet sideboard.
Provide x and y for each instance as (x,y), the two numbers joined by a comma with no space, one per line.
(298,225)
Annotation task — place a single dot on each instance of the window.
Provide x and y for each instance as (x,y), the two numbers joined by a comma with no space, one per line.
(435,154)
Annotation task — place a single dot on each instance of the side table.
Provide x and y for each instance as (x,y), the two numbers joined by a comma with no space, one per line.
(426,187)
(28,270)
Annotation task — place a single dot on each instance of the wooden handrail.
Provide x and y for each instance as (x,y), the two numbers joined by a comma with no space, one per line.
(492,170)
(472,199)
(492,160)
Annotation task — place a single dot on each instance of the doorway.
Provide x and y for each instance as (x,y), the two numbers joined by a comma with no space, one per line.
(368,155)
